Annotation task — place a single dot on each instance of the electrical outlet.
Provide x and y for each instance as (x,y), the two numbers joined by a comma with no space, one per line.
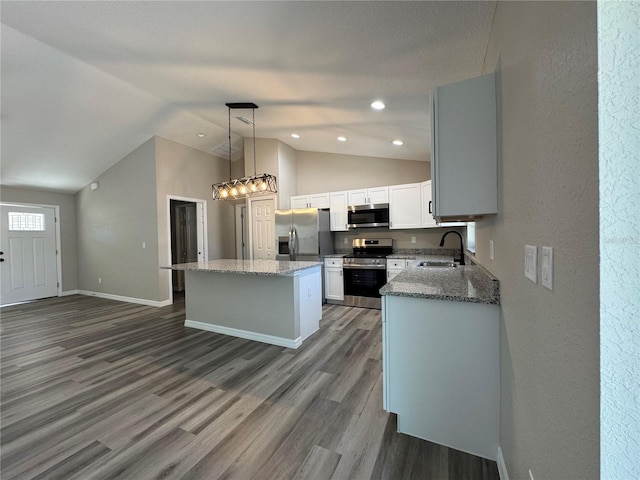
(531,262)
(345,241)
(413,239)
(546,269)
(144,244)
(99,279)
(492,251)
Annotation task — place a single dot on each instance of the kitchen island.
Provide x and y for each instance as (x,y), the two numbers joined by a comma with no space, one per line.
(270,301)
(441,367)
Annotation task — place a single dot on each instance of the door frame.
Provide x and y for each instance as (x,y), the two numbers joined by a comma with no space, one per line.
(250,201)
(201,214)
(241,224)
(56,213)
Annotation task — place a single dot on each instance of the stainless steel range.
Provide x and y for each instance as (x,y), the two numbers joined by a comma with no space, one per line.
(365,271)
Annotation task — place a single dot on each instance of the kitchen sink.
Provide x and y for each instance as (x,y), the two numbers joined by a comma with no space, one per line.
(437,264)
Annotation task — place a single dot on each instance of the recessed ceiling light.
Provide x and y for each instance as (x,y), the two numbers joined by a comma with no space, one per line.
(378,105)
(201,135)
(295,135)
(398,142)
(342,139)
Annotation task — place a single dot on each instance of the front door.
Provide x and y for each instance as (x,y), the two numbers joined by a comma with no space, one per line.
(263,225)
(28,263)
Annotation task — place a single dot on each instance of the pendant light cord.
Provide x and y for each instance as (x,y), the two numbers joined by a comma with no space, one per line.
(253,113)
(229,110)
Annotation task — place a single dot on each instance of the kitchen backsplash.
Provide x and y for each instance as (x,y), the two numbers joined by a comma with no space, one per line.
(426,239)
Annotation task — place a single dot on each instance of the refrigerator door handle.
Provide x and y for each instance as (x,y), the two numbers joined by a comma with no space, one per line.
(294,244)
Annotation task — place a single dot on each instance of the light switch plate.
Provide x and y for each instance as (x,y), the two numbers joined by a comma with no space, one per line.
(413,239)
(546,268)
(531,262)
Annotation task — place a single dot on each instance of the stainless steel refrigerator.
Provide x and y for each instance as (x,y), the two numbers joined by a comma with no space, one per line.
(303,235)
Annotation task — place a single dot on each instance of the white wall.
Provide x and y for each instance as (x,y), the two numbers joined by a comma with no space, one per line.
(327,172)
(545,54)
(619,105)
(67,221)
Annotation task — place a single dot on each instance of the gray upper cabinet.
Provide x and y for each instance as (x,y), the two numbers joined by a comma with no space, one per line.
(464,150)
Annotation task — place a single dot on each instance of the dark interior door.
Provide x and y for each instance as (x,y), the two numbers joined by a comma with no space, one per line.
(184,238)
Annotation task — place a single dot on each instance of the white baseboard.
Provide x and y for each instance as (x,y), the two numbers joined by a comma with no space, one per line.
(69,292)
(120,298)
(502,467)
(235,332)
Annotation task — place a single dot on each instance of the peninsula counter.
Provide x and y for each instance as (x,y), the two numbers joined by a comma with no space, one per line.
(270,301)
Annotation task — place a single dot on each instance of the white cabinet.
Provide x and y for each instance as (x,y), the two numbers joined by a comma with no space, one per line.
(404,206)
(299,201)
(316,200)
(394,267)
(338,211)
(333,280)
(368,196)
(441,361)
(464,150)
(428,221)
(427,214)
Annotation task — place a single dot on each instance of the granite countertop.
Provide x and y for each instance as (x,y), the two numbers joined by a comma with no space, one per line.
(335,255)
(468,283)
(246,267)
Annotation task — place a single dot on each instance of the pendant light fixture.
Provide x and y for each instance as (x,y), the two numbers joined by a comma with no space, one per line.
(246,186)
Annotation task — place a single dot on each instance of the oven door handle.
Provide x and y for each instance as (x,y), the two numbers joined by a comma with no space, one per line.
(364,267)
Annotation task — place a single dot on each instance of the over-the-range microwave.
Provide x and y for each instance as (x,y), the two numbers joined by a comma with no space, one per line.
(368,216)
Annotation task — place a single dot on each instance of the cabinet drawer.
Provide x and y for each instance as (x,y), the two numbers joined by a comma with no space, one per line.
(333,262)
(397,263)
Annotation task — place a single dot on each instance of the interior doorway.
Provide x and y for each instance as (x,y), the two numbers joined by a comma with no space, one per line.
(184,238)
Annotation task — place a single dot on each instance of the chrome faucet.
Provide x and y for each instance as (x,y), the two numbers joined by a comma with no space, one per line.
(461,244)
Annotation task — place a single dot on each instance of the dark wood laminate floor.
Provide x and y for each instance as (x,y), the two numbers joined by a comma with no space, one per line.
(97,389)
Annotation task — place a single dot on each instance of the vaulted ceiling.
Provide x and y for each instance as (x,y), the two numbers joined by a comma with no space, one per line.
(85,83)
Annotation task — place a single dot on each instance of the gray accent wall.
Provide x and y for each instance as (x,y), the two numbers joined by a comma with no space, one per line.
(186,172)
(287,174)
(67,221)
(545,55)
(113,222)
(328,172)
(131,207)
